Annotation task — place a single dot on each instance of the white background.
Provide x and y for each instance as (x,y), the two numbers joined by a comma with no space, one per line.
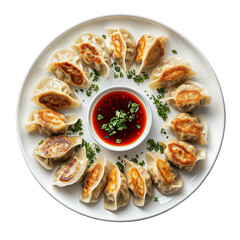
(28,212)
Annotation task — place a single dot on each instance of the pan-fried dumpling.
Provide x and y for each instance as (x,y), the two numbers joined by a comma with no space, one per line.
(54,94)
(69,67)
(72,171)
(122,47)
(139,182)
(95,181)
(116,192)
(164,177)
(55,150)
(170,71)
(188,96)
(189,127)
(49,122)
(94,52)
(150,51)
(181,154)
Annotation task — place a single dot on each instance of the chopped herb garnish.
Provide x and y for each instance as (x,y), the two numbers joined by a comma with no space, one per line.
(93,87)
(76,90)
(141,163)
(118,141)
(115,75)
(77,127)
(155,199)
(134,160)
(137,78)
(99,117)
(91,150)
(162,108)
(120,166)
(121,75)
(104,36)
(174,51)
(95,75)
(163,131)
(138,126)
(117,69)
(161,149)
(152,145)
(113,64)
(40,142)
(119,158)
(134,107)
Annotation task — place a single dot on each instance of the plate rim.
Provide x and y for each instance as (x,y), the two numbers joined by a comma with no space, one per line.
(100,17)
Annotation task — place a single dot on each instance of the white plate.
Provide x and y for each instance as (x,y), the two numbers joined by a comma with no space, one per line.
(214,115)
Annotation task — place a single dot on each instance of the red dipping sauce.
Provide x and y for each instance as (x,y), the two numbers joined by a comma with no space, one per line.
(107,107)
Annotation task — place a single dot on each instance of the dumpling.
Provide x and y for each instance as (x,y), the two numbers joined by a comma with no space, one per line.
(55,150)
(94,52)
(181,154)
(164,177)
(69,67)
(189,127)
(49,122)
(122,47)
(150,51)
(188,96)
(139,182)
(95,181)
(54,94)
(116,192)
(170,71)
(72,171)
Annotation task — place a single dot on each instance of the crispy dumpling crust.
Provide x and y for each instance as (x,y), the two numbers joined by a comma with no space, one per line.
(71,171)
(122,47)
(188,96)
(170,71)
(54,94)
(55,149)
(49,122)
(116,192)
(189,127)
(181,154)
(95,181)
(94,52)
(139,182)
(150,51)
(69,67)
(164,177)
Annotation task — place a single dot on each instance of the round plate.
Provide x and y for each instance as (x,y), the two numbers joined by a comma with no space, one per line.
(214,115)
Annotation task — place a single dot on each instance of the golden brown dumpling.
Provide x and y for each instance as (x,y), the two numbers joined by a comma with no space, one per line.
(116,192)
(69,67)
(95,180)
(55,150)
(150,51)
(139,182)
(54,94)
(94,52)
(164,177)
(49,122)
(122,47)
(170,71)
(181,154)
(72,171)
(189,127)
(188,96)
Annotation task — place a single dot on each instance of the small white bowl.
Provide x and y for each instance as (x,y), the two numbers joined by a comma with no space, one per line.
(148,121)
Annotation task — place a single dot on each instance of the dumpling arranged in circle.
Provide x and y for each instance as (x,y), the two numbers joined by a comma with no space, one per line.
(170,71)
(54,94)
(69,67)
(94,52)
(55,150)
(122,47)
(150,51)
(72,171)
(49,122)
